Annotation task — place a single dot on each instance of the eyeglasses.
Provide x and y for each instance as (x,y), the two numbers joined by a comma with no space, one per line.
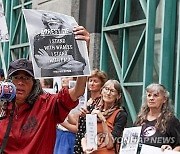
(22,78)
(112,91)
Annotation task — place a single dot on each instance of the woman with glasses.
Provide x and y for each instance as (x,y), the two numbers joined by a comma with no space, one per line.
(111,119)
(160,127)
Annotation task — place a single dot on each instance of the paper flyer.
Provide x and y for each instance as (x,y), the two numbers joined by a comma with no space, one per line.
(91,131)
(130,140)
(147,149)
(55,52)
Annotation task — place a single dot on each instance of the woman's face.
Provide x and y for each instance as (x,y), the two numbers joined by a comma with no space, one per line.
(24,84)
(155,99)
(94,84)
(109,93)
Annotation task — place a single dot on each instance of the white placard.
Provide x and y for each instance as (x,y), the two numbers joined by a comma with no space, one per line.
(147,149)
(130,140)
(91,130)
(54,49)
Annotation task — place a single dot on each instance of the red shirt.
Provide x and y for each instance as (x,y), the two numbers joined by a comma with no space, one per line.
(34,128)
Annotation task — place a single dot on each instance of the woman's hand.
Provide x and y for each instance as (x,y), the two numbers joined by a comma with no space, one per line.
(83,112)
(166,147)
(84,146)
(99,114)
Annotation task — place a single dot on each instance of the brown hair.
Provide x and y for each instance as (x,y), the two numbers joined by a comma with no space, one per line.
(100,74)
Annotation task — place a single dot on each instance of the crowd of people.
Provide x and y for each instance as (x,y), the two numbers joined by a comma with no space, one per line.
(41,122)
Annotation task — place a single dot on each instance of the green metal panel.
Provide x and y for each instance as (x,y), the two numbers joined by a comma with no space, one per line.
(120,57)
(126,36)
(104,50)
(149,43)
(133,44)
(18,45)
(118,70)
(166,75)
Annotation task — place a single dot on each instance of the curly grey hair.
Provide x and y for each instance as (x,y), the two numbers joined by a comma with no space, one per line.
(166,111)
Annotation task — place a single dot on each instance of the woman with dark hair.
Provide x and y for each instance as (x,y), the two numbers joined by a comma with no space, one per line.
(111,119)
(160,127)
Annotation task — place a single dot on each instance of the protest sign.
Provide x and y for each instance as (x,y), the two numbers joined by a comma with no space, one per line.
(147,149)
(130,140)
(91,131)
(54,50)
(4,36)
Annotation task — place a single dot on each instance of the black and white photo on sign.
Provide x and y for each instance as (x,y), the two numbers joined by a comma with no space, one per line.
(55,52)
(4,36)
(130,140)
(147,149)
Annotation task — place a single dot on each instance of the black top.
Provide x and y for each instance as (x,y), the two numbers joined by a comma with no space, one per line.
(152,136)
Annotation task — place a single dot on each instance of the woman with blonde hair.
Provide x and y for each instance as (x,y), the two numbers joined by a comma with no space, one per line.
(95,82)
